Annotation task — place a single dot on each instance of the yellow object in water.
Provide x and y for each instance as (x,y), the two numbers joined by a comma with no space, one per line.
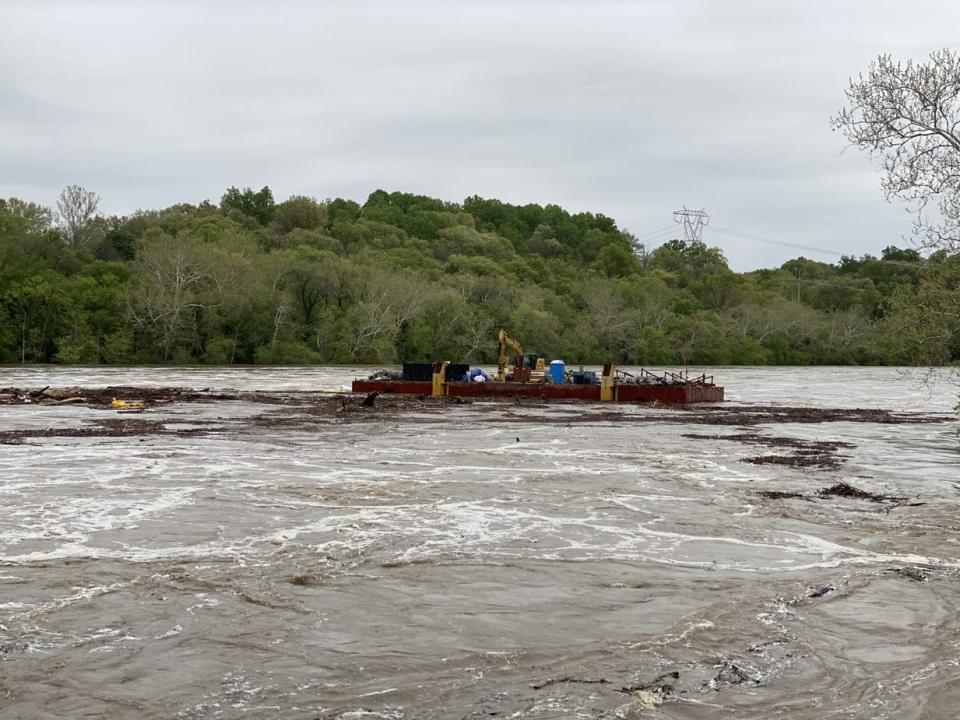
(124,405)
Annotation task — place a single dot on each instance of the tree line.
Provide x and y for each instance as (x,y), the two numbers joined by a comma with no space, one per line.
(410,278)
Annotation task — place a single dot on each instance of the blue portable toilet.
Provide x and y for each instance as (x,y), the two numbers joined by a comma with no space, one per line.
(558,369)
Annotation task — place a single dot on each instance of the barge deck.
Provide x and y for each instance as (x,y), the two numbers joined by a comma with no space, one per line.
(615,386)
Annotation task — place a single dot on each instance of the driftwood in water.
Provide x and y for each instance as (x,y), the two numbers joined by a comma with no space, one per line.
(65,401)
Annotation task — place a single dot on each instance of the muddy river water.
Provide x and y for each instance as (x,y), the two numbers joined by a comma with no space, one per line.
(481,560)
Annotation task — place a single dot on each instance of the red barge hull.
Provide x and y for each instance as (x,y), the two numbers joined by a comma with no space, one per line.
(678,393)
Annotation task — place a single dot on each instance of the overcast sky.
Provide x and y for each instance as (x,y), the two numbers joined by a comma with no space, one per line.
(631,108)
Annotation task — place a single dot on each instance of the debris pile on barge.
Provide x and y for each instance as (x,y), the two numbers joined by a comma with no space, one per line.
(529,376)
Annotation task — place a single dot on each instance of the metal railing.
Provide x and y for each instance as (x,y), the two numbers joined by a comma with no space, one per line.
(666,377)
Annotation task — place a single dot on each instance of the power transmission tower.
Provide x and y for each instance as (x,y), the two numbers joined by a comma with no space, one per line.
(693,222)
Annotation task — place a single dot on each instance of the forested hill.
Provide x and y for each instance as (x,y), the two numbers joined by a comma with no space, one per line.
(407,277)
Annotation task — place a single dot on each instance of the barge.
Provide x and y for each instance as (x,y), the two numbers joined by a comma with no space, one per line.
(681,392)
(520,375)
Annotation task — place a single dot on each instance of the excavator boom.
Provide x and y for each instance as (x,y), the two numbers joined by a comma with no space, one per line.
(503,358)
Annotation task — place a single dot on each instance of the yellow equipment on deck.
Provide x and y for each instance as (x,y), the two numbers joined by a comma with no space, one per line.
(439,379)
(608,383)
(505,366)
(503,359)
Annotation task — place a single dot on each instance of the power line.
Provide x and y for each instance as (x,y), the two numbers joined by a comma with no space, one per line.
(655,232)
(771,241)
(761,238)
(664,232)
(660,236)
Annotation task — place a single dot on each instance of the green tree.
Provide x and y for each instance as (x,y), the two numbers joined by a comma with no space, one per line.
(299,211)
(258,205)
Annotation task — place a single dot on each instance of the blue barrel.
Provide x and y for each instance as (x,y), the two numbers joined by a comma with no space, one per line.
(557,370)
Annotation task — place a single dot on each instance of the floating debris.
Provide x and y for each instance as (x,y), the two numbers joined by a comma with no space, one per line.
(917,574)
(844,490)
(568,679)
(781,495)
(818,454)
(662,684)
(821,591)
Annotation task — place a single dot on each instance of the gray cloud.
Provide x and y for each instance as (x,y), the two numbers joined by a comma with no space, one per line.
(626,108)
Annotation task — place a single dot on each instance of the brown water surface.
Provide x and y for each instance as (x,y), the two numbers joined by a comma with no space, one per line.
(483,560)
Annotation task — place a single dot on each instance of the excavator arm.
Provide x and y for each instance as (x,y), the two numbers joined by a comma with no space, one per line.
(503,357)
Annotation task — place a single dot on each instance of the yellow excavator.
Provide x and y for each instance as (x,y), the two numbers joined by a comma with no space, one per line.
(127,406)
(504,359)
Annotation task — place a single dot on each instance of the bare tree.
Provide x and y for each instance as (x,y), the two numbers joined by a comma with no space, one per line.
(171,273)
(605,314)
(653,304)
(906,114)
(76,208)
(846,329)
(478,334)
(761,322)
(387,303)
